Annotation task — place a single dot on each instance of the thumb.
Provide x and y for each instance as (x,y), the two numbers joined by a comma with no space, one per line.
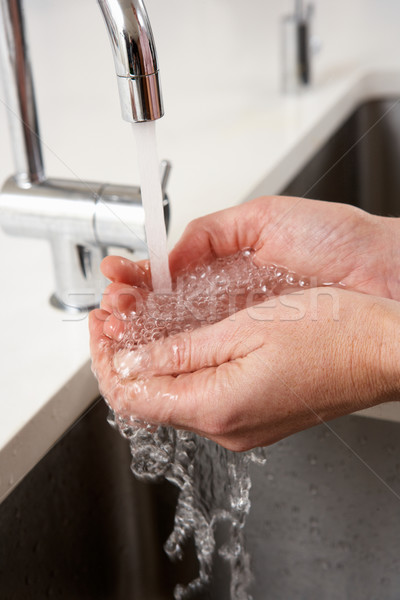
(219,234)
(190,351)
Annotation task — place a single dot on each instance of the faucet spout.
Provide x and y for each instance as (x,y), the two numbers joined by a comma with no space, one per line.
(135,59)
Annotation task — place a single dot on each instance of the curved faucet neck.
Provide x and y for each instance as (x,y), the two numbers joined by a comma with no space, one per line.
(136,67)
(135,59)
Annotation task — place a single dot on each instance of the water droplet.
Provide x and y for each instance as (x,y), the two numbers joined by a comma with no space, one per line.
(304,282)
(247,252)
(291,278)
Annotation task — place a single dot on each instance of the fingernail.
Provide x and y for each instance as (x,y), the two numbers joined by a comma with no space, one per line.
(114,330)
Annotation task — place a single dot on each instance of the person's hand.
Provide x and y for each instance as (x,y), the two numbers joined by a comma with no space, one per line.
(330,241)
(262,374)
(336,242)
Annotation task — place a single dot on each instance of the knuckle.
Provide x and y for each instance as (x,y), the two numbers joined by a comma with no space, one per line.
(194,225)
(109,289)
(181,354)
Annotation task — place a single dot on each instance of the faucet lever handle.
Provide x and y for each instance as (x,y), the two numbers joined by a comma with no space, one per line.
(165,171)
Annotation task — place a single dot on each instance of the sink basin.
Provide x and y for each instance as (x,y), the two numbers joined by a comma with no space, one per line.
(80,526)
(359,165)
(325,518)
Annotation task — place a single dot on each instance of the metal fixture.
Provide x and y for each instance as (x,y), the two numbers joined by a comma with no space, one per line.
(296,48)
(135,59)
(80,219)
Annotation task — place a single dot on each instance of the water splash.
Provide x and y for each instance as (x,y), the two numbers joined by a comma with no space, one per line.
(214,483)
(214,487)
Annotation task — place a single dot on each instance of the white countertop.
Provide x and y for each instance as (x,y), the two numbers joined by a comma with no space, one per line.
(229,133)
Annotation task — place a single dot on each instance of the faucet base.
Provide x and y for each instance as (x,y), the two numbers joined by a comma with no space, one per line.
(55,302)
(80,220)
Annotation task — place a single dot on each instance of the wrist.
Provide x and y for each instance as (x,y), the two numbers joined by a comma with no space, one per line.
(386,357)
(390,231)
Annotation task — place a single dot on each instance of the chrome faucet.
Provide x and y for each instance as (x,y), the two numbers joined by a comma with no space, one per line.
(135,59)
(80,219)
(296,48)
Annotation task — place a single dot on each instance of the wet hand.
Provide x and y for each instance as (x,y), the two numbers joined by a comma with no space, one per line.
(262,374)
(336,242)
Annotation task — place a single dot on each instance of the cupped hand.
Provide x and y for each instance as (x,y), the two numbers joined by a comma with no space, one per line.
(335,242)
(263,373)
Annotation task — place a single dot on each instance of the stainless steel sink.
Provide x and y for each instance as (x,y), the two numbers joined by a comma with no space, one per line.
(359,165)
(81,527)
(325,520)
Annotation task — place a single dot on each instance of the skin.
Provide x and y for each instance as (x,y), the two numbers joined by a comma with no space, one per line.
(289,364)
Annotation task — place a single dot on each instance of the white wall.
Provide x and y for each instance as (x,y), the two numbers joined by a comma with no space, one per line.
(204,46)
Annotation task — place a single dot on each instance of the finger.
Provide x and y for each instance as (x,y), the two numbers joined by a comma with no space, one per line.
(186,402)
(203,402)
(97,319)
(187,352)
(123,270)
(102,352)
(195,401)
(211,346)
(123,300)
(159,401)
(219,234)
(115,327)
